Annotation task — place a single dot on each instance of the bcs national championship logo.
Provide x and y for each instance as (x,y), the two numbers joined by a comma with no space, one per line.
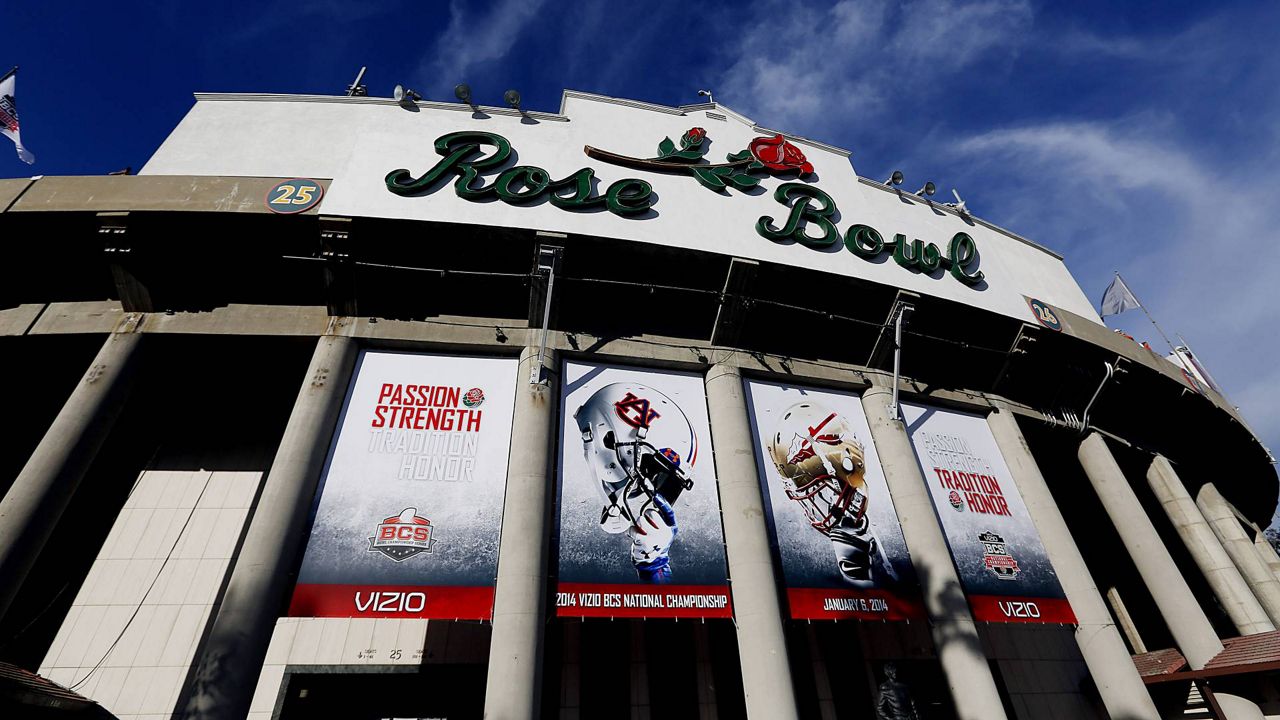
(996,557)
(402,536)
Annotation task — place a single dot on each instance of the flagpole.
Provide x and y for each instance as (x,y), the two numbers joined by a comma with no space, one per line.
(1172,351)
(11,72)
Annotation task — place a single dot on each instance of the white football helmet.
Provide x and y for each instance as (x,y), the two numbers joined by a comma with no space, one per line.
(637,442)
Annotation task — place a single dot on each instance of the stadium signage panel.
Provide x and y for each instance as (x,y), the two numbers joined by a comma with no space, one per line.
(998,554)
(465,156)
(639,510)
(409,512)
(826,502)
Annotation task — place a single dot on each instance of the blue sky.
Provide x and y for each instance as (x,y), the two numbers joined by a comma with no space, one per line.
(1127,136)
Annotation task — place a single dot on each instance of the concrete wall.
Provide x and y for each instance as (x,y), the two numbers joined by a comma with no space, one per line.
(298,643)
(136,666)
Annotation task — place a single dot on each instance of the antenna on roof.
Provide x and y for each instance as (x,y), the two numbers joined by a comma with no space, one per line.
(357,89)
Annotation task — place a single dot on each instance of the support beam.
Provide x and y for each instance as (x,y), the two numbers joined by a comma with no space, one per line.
(969,679)
(514,682)
(1215,565)
(30,510)
(1101,646)
(1163,579)
(762,645)
(118,251)
(1125,620)
(1217,511)
(339,266)
(731,316)
(880,352)
(261,577)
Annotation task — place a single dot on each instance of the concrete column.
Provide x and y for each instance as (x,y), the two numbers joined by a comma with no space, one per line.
(762,646)
(514,683)
(261,576)
(969,679)
(31,509)
(1103,650)
(1267,553)
(1228,586)
(1125,621)
(1264,584)
(1163,579)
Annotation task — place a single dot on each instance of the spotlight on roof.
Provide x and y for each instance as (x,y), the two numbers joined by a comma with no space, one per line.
(707,94)
(462,91)
(928,189)
(405,96)
(894,179)
(512,98)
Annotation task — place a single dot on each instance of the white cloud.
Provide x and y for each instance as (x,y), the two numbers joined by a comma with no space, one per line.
(814,70)
(1197,249)
(472,39)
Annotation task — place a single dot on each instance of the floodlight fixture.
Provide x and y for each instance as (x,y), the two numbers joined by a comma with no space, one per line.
(512,98)
(894,179)
(462,91)
(405,96)
(707,94)
(928,189)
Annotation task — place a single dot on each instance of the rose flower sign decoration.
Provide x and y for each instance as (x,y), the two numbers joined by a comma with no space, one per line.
(465,155)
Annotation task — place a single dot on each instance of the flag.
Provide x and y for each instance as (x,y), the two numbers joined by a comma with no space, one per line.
(1118,298)
(9,115)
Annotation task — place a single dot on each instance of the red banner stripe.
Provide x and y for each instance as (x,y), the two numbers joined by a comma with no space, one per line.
(1007,608)
(643,601)
(392,601)
(852,604)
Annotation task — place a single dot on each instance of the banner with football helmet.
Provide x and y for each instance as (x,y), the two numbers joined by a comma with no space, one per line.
(639,527)
(835,528)
(998,554)
(409,509)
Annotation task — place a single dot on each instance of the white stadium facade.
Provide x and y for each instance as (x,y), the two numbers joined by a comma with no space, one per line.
(363,408)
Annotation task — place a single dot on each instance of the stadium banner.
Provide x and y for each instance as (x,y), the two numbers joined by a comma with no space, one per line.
(1002,563)
(639,524)
(409,509)
(834,526)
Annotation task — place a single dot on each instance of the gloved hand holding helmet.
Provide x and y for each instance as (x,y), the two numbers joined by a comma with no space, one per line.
(640,449)
(651,539)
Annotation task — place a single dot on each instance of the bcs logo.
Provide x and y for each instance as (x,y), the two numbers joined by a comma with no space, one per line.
(1017,609)
(402,536)
(473,398)
(996,557)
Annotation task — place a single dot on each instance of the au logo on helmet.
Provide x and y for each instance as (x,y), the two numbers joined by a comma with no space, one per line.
(635,411)
(402,536)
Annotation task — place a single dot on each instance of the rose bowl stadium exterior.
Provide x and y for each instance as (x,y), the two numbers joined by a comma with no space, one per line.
(350,407)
